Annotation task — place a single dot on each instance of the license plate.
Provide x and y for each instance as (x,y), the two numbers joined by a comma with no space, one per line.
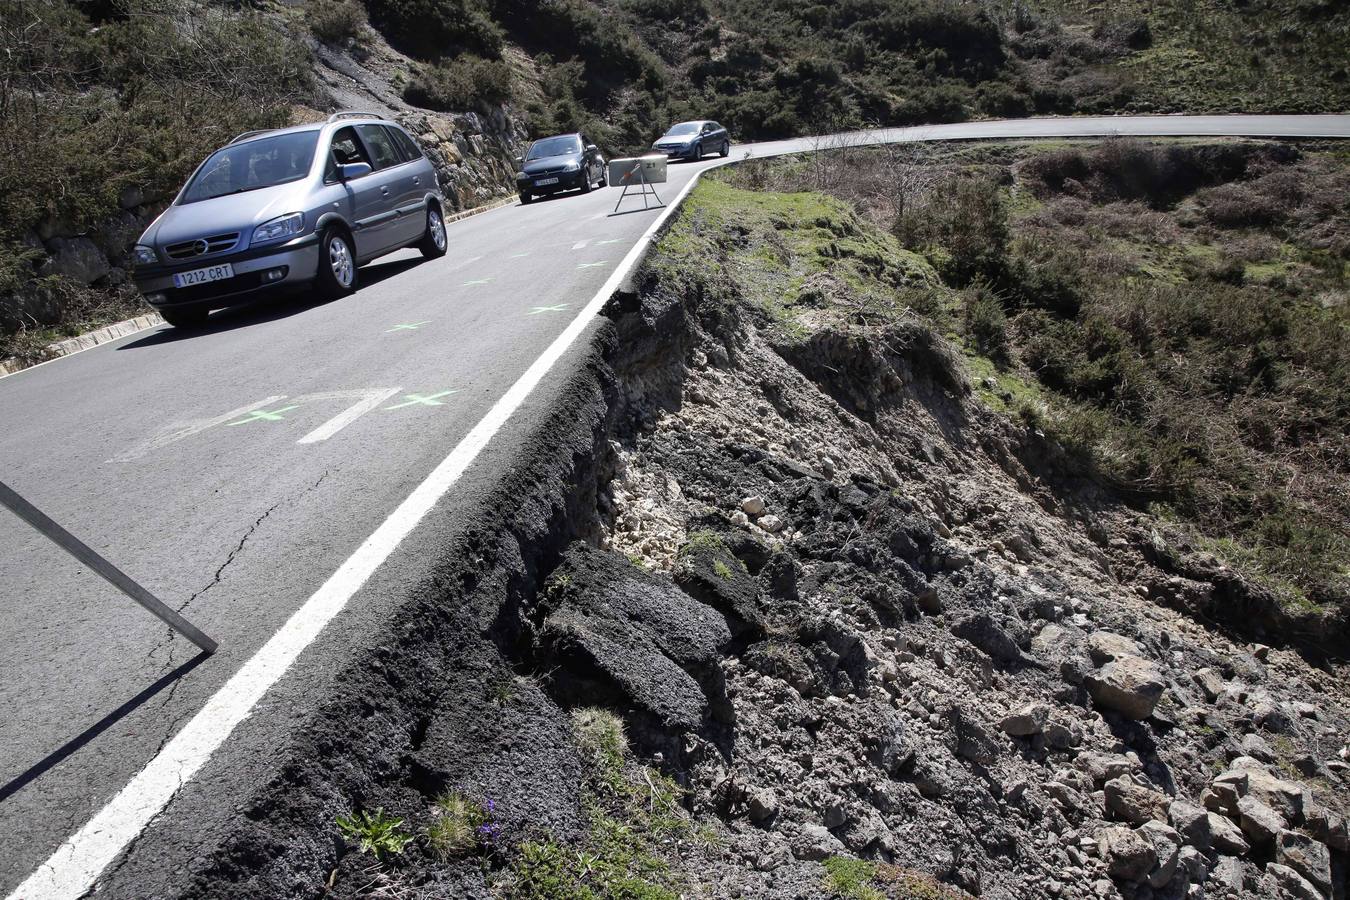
(543,181)
(203,276)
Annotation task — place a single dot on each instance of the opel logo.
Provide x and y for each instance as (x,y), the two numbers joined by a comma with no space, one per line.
(199,247)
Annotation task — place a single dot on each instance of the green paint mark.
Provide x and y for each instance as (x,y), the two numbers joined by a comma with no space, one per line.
(560,307)
(262,415)
(409,326)
(421,400)
(610,241)
(477,281)
(592,265)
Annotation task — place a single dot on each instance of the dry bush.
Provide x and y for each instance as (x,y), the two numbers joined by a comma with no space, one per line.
(336,21)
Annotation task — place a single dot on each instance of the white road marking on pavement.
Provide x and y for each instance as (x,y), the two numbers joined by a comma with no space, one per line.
(369,400)
(580,245)
(76,864)
(461,263)
(187,429)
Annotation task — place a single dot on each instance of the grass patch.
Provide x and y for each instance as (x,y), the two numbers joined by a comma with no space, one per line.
(461,826)
(852,879)
(801,258)
(858,879)
(635,821)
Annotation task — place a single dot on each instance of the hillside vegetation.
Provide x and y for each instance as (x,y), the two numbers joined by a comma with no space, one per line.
(779,68)
(1175,315)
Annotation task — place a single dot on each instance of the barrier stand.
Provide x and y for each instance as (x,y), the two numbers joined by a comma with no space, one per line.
(76,548)
(634,173)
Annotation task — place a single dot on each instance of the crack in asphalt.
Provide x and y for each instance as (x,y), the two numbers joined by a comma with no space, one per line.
(220,571)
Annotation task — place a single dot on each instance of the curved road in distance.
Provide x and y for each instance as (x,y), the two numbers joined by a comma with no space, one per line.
(235,471)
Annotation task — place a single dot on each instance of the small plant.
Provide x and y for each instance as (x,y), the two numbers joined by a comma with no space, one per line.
(600,738)
(503,691)
(463,826)
(852,878)
(375,833)
(722,570)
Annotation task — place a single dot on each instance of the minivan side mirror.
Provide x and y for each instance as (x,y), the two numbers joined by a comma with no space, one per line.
(591,148)
(354,170)
(520,160)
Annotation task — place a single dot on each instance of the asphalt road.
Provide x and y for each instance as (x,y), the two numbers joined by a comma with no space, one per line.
(233,471)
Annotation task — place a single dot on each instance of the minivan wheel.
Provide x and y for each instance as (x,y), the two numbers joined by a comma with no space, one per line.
(698,152)
(726,148)
(525,198)
(433,244)
(336,276)
(586,181)
(185,318)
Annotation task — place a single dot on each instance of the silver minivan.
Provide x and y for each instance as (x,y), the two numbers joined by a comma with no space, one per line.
(295,206)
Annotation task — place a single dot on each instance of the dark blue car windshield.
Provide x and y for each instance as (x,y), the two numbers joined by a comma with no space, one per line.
(558,146)
(252,165)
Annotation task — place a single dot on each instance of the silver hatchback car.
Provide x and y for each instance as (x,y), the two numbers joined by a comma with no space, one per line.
(277,209)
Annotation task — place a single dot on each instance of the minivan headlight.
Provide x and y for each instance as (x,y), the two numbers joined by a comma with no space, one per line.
(143,255)
(572,167)
(281,227)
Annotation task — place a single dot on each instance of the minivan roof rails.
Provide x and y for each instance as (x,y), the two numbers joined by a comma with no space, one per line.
(248,134)
(353,114)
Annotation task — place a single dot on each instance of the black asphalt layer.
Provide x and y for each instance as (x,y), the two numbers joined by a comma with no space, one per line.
(178,456)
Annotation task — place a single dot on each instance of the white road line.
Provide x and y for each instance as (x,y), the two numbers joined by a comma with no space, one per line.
(580,245)
(72,870)
(371,399)
(461,263)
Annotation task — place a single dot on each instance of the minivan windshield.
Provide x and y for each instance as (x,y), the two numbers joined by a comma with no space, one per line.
(252,165)
(682,128)
(557,146)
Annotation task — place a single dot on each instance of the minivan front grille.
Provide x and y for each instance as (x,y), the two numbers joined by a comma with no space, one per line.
(216,243)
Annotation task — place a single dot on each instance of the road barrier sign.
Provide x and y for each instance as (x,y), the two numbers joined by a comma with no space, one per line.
(641,172)
(115,576)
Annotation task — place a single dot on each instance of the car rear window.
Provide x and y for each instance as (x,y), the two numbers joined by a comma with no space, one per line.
(406,145)
(376,137)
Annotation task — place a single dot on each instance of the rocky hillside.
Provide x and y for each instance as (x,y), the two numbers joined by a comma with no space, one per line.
(780,604)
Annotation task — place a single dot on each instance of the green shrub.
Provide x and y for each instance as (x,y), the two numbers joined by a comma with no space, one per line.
(964,218)
(335,21)
(430,29)
(463,83)
(986,327)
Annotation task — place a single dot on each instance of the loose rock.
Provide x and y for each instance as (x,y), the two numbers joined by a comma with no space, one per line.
(1129,685)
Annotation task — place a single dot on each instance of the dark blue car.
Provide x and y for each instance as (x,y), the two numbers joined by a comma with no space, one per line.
(691,140)
(564,162)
